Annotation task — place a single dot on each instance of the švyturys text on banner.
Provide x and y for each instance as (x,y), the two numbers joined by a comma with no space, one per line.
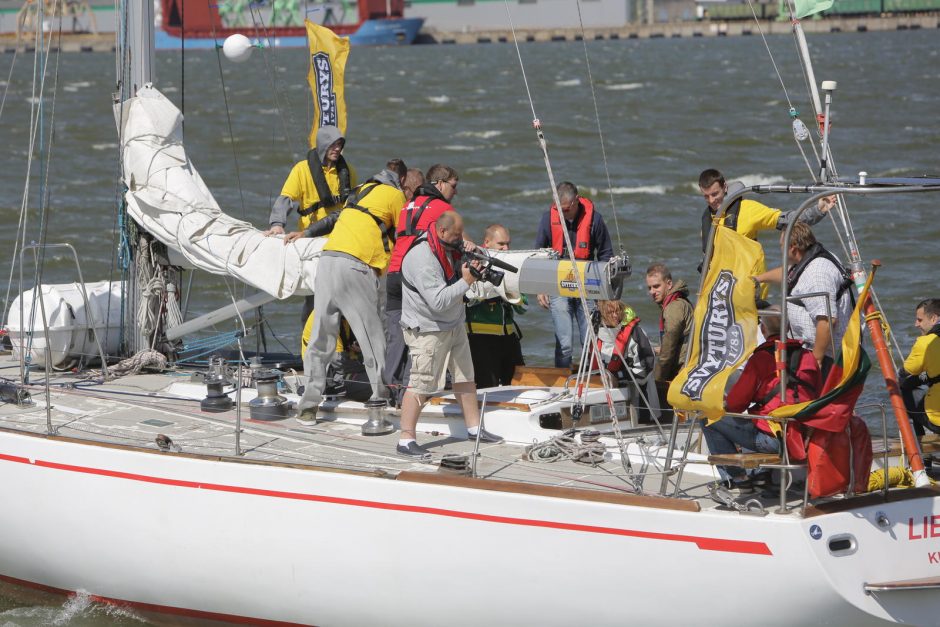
(725,331)
(328,54)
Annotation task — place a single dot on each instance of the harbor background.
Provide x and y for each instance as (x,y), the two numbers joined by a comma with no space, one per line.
(668,108)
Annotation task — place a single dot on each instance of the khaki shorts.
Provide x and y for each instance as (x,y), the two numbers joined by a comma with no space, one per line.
(434,351)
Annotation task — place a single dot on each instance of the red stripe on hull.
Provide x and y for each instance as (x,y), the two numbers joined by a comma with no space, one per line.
(704,543)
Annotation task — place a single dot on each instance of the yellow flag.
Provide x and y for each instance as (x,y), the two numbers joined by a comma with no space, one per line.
(328,54)
(725,332)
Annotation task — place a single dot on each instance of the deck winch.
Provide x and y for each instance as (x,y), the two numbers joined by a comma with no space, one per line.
(269,405)
(216,399)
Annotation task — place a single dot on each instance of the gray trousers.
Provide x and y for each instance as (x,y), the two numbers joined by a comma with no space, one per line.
(344,287)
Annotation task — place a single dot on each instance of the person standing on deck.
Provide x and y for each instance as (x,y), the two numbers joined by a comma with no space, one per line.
(922,370)
(431,199)
(675,325)
(432,319)
(745,216)
(348,284)
(819,321)
(591,241)
(491,328)
(315,186)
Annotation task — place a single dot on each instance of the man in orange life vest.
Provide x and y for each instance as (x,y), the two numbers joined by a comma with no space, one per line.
(431,199)
(591,241)
(758,392)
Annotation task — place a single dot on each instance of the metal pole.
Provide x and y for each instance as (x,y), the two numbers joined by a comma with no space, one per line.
(828,87)
(476,445)
(49,429)
(238,412)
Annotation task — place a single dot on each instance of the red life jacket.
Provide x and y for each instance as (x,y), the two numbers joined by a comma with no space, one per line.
(414,220)
(615,365)
(582,242)
(447,257)
(803,384)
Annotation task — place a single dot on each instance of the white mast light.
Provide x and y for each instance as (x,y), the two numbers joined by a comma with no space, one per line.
(237,48)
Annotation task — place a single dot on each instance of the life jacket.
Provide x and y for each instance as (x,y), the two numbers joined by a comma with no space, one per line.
(499,324)
(426,207)
(731,220)
(814,252)
(387,231)
(645,352)
(327,199)
(669,299)
(582,241)
(447,257)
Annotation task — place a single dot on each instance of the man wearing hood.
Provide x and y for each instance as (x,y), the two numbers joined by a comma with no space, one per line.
(315,186)
(431,199)
(675,324)
(349,283)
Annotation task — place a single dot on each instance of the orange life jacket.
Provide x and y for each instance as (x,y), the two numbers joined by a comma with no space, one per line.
(582,242)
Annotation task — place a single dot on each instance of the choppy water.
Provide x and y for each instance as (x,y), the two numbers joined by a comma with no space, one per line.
(668,109)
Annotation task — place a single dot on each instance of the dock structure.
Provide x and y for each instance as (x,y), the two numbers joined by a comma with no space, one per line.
(675,30)
(105,42)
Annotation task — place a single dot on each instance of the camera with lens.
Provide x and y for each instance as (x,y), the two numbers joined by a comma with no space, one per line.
(485,273)
(488,264)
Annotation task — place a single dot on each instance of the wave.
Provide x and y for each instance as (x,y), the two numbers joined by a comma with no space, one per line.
(748,180)
(623,86)
(460,148)
(105,146)
(480,134)
(394,99)
(653,190)
(439,99)
(493,169)
(568,83)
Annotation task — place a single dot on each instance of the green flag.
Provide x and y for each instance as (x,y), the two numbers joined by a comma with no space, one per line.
(804,8)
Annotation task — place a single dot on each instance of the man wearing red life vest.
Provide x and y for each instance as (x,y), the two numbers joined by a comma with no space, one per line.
(758,392)
(591,241)
(431,199)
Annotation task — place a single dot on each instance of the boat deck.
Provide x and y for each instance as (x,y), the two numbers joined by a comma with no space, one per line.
(138,410)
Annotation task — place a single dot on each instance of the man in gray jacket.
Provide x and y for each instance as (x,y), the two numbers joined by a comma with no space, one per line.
(432,319)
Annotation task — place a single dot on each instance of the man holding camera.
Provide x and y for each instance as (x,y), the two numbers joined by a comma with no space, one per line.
(434,282)
(491,328)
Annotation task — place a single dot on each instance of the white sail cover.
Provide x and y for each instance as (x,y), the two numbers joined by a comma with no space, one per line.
(167,197)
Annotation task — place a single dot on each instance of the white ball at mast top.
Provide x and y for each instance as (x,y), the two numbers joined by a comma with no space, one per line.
(237,48)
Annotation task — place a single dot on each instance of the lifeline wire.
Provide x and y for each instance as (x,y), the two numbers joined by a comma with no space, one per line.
(600,133)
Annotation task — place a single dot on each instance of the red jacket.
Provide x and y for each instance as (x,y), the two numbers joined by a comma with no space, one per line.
(412,222)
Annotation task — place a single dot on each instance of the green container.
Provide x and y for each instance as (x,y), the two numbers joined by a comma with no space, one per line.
(855,7)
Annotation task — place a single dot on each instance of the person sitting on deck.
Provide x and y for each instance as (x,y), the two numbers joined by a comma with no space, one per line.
(627,354)
(922,370)
(758,391)
(675,325)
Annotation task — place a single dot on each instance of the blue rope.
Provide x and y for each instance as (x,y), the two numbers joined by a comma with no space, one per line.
(208,345)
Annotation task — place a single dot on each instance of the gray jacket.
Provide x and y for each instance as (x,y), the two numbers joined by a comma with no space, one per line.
(435,306)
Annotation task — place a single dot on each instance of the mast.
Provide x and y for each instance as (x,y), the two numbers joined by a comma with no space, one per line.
(859,275)
(135,43)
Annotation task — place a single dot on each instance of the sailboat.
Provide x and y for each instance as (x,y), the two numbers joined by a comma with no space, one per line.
(123,485)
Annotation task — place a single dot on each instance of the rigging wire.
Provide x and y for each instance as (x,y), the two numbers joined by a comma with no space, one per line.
(600,132)
(6,87)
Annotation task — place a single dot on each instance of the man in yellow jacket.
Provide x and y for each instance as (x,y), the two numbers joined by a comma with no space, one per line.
(315,186)
(922,368)
(748,217)
(348,283)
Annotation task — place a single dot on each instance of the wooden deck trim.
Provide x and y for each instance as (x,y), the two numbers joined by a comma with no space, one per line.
(444,400)
(744,460)
(496,485)
(866,500)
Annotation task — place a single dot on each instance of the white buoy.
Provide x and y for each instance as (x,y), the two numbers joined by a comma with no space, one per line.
(237,48)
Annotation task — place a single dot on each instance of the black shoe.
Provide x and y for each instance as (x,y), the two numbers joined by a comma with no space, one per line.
(762,479)
(485,437)
(414,451)
(741,487)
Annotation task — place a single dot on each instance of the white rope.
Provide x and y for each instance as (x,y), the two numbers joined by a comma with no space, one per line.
(174,317)
(566,447)
(147,358)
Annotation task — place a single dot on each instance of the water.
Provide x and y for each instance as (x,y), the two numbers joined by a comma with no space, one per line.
(667,108)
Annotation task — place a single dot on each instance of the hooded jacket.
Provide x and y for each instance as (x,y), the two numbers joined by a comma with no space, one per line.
(677,322)
(300,193)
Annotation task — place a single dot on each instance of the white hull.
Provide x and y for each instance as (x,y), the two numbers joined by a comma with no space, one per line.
(275,543)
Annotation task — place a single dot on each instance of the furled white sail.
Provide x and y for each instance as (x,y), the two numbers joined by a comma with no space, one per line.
(168,198)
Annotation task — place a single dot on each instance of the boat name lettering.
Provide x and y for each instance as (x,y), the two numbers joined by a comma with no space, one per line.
(924,528)
(721,341)
(323,71)
(934,557)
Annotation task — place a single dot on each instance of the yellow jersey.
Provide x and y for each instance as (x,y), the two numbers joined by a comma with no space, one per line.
(300,188)
(925,357)
(357,233)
